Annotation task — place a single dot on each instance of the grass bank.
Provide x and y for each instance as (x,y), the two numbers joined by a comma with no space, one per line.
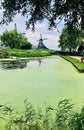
(28,53)
(77,64)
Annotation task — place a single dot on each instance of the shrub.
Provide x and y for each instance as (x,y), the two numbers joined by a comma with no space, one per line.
(3,54)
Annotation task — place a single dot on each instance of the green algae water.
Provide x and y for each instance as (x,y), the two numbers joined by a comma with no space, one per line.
(42,81)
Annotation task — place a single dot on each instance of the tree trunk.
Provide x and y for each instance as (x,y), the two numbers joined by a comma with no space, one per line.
(70,50)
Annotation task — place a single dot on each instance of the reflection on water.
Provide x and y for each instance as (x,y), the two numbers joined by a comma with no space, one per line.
(35,63)
(20,64)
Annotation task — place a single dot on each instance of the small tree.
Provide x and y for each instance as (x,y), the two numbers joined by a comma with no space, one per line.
(13,39)
(70,39)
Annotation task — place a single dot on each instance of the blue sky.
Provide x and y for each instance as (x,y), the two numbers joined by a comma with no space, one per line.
(52,35)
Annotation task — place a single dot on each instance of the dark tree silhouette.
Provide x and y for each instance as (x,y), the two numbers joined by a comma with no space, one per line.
(71,11)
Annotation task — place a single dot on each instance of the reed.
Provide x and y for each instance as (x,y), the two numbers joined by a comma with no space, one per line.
(63,117)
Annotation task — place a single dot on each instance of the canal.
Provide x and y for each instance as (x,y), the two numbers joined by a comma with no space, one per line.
(41,81)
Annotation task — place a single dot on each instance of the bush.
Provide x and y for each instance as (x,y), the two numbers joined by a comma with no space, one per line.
(26,46)
(3,54)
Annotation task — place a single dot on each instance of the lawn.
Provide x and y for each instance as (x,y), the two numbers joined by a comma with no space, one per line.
(28,53)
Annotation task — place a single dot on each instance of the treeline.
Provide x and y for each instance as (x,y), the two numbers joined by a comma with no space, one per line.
(63,117)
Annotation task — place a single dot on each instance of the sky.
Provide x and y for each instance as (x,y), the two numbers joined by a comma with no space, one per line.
(41,28)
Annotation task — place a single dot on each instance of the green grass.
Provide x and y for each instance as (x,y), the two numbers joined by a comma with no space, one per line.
(28,53)
(78,64)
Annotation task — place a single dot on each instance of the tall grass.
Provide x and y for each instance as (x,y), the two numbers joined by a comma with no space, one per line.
(63,117)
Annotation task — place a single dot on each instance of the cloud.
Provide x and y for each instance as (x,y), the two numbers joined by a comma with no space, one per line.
(52,41)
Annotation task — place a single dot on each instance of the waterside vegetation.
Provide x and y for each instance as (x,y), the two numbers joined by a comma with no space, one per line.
(77,64)
(63,117)
(24,53)
(3,54)
(28,53)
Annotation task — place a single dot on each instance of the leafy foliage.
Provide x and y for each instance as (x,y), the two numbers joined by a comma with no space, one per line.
(13,39)
(70,38)
(63,113)
(77,120)
(71,11)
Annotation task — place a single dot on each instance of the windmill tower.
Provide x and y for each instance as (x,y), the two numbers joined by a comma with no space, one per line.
(40,44)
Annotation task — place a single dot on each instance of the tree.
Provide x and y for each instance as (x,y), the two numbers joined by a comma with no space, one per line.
(70,39)
(71,11)
(13,39)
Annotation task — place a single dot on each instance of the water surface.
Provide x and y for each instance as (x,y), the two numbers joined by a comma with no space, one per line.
(46,80)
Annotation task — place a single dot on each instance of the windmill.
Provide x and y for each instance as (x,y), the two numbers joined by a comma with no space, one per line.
(40,44)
